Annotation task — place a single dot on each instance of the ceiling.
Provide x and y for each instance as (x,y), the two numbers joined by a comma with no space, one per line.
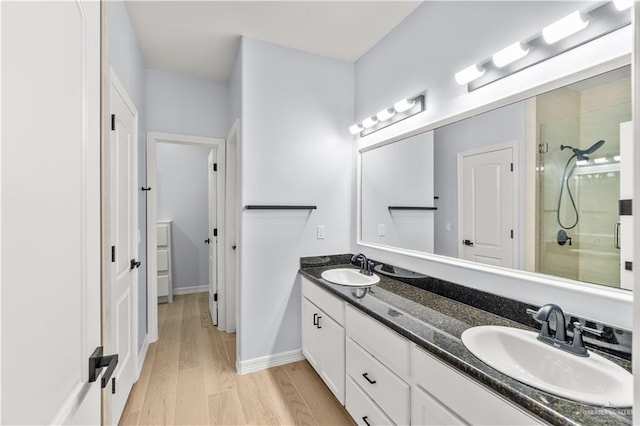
(201,37)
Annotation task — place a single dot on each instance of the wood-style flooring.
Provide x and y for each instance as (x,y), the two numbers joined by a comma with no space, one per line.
(188,378)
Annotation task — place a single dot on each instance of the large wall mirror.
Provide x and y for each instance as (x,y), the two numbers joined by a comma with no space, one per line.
(534,185)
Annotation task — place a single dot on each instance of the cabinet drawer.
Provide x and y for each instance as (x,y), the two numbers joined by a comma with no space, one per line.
(363,410)
(388,391)
(471,401)
(426,411)
(163,260)
(162,235)
(163,285)
(331,305)
(384,344)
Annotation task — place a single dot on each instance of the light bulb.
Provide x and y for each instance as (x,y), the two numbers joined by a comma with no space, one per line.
(616,158)
(385,114)
(404,105)
(369,122)
(582,162)
(563,28)
(601,160)
(356,128)
(469,74)
(622,4)
(510,54)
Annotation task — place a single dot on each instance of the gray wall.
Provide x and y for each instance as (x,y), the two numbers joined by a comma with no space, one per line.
(295,149)
(191,106)
(188,105)
(503,125)
(182,198)
(125,58)
(234,89)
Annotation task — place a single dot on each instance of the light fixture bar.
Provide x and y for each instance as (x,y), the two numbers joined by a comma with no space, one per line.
(510,54)
(401,110)
(369,122)
(623,4)
(603,20)
(385,114)
(565,27)
(356,128)
(469,74)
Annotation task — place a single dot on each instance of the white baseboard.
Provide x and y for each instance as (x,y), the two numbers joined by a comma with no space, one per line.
(257,364)
(190,290)
(142,356)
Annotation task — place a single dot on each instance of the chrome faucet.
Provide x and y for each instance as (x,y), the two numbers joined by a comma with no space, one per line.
(365,264)
(559,340)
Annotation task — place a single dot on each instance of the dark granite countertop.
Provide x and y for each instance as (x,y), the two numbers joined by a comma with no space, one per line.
(436,323)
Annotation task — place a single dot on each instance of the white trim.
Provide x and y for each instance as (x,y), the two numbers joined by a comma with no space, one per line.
(191,290)
(153,138)
(268,361)
(515,176)
(228,291)
(142,356)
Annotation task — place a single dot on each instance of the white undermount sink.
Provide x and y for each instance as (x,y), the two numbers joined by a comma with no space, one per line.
(518,354)
(350,277)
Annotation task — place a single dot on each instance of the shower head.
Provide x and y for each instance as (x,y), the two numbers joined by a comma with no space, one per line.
(581,154)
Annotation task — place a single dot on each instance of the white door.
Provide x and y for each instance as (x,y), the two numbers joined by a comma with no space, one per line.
(212,238)
(310,336)
(427,411)
(332,354)
(50,211)
(124,266)
(486,207)
(624,234)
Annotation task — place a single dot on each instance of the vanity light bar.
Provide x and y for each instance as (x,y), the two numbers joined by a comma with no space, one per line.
(402,109)
(565,34)
(469,74)
(623,4)
(565,27)
(510,54)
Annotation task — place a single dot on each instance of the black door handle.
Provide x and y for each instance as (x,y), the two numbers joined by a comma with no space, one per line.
(315,319)
(318,322)
(135,264)
(207,241)
(97,362)
(364,419)
(467,242)
(366,376)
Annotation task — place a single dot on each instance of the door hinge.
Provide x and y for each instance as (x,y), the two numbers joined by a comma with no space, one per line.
(113,121)
(215,297)
(511,166)
(543,148)
(113,254)
(512,234)
(215,167)
(215,232)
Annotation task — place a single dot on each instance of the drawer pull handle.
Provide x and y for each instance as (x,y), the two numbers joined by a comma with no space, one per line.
(365,375)
(364,419)
(318,323)
(315,319)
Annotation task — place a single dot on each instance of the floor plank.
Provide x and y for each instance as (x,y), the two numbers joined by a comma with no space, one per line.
(189,378)
(225,409)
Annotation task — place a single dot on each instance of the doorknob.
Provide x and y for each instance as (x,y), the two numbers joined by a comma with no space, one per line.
(135,264)
(97,362)
(207,241)
(467,242)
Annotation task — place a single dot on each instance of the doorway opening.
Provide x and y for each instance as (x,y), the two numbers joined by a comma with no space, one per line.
(159,256)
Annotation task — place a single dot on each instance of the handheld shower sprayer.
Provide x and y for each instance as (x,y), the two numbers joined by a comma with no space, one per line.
(579,155)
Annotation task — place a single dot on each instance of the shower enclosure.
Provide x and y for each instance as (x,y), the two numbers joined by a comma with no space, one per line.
(578,179)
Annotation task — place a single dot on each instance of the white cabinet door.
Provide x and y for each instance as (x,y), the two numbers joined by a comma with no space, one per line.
(310,336)
(50,211)
(427,411)
(332,354)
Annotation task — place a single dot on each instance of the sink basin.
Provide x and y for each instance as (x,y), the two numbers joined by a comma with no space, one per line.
(518,354)
(350,277)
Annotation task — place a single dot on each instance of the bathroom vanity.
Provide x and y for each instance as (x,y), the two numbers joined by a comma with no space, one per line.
(392,354)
